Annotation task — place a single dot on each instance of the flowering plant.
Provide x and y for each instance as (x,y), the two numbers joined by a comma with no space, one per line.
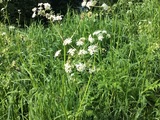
(92,3)
(83,49)
(45,10)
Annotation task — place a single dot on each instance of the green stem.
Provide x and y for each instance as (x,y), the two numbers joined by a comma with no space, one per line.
(64,53)
(84,96)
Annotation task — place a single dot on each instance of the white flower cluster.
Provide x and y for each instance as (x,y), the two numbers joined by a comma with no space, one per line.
(88,4)
(82,48)
(45,10)
(3,33)
(92,3)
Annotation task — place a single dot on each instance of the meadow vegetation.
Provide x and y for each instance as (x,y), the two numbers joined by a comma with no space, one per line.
(94,65)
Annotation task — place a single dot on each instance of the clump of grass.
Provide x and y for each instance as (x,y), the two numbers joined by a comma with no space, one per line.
(93,65)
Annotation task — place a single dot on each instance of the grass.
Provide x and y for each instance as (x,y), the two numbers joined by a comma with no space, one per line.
(124,86)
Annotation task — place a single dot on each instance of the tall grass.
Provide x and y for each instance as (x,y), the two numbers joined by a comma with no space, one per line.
(125,85)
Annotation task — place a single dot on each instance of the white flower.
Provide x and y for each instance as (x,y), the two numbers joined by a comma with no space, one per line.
(67,41)
(104,6)
(68,67)
(92,70)
(41,12)
(48,16)
(57,53)
(100,37)
(90,39)
(3,33)
(34,9)
(57,18)
(97,32)
(2,9)
(82,52)
(47,6)
(80,67)
(40,4)
(91,3)
(34,15)
(83,4)
(80,42)
(71,51)
(19,11)
(92,49)
(104,31)
(108,35)
(11,27)
(40,8)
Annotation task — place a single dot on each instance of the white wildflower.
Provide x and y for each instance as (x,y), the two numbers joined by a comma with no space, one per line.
(47,6)
(97,32)
(41,12)
(47,15)
(57,53)
(2,9)
(92,49)
(40,8)
(50,17)
(91,3)
(68,67)
(104,6)
(83,4)
(100,37)
(3,33)
(11,27)
(92,70)
(71,51)
(19,11)
(57,18)
(104,31)
(34,9)
(80,67)
(80,42)
(67,41)
(108,35)
(90,39)
(82,52)
(40,4)
(82,38)
(34,15)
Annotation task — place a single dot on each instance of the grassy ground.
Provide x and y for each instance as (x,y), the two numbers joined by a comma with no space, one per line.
(117,79)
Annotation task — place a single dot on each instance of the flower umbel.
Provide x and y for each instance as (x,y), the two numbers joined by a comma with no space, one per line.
(68,67)
(80,67)
(80,42)
(90,39)
(44,10)
(47,6)
(92,49)
(67,41)
(71,51)
(104,6)
(82,52)
(57,53)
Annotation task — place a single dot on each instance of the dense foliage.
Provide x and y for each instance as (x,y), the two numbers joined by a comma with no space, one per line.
(25,6)
(95,65)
